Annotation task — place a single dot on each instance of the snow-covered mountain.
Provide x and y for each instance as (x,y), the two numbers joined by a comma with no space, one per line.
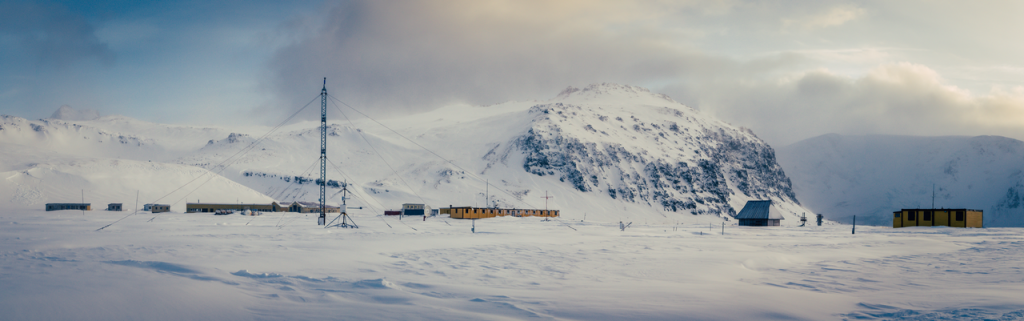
(608,151)
(872,176)
(65,112)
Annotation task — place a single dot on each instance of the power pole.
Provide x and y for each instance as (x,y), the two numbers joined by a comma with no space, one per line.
(323,155)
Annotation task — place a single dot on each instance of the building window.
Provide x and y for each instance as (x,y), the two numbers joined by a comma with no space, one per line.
(927,215)
(959,215)
(912,216)
(897,215)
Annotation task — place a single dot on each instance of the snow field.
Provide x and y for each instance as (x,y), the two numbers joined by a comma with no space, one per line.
(54,265)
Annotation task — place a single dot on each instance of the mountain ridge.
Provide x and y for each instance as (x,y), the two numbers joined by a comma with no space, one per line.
(597,149)
(873,175)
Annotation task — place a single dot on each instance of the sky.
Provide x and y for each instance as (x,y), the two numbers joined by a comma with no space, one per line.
(789,70)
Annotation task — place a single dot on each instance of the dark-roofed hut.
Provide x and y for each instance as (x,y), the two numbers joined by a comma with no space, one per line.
(759,213)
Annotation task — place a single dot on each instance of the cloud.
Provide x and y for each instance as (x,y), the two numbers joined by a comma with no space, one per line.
(899,98)
(834,16)
(396,56)
(52,34)
(391,56)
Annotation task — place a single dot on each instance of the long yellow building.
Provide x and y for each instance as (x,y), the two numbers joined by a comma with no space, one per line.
(469,212)
(938,217)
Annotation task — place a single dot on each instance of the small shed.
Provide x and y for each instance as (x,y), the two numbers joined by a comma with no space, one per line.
(114,207)
(160,208)
(759,213)
(389,213)
(415,209)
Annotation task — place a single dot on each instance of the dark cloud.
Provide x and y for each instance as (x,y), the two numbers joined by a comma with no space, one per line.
(51,34)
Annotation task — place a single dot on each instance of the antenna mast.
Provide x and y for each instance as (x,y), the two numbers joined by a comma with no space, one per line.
(546,198)
(323,155)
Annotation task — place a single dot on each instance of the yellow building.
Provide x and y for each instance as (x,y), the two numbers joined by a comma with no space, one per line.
(938,217)
(160,208)
(298,207)
(468,212)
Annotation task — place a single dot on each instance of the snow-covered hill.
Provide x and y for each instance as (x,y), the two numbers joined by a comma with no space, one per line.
(111,159)
(65,112)
(606,151)
(872,176)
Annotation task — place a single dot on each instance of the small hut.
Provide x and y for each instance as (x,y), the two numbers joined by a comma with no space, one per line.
(759,213)
(114,207)
(415,209)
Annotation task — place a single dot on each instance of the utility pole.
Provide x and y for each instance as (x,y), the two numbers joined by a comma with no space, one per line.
(854,225)
(933,196)
(323,155)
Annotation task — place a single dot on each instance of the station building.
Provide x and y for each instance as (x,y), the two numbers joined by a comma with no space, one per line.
(68,206)
(415,209)
(297,207)
(961,217)
(312,207)
(469,212)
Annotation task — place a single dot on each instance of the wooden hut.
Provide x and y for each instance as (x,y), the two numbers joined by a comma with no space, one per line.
(759,213)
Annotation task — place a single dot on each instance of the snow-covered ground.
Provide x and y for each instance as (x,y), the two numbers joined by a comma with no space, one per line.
(55,265)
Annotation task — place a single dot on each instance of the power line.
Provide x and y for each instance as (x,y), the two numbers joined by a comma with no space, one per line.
(520,199)
(225,163)
(487,182)
(411,189)
(366,199)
